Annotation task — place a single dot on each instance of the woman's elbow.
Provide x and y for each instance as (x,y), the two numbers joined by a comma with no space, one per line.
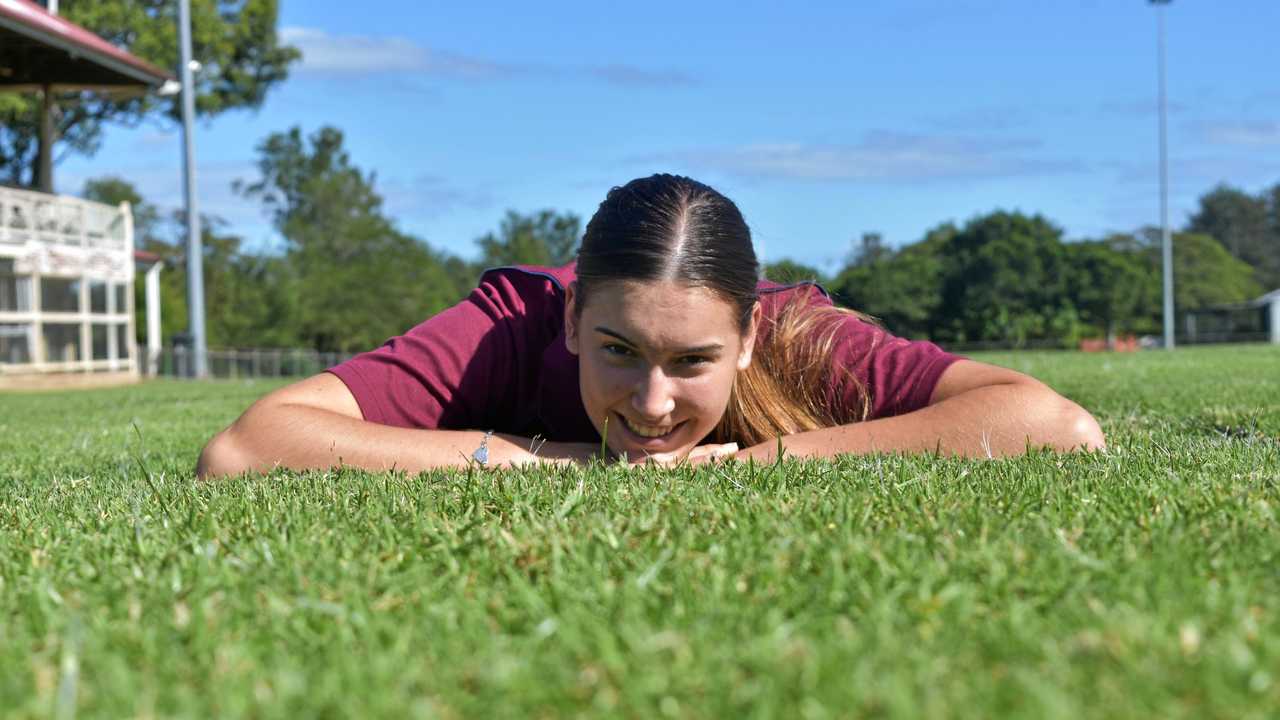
(1076,429)
(222,457)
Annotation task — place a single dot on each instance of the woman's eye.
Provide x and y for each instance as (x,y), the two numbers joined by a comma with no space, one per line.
(694,360)
(618,350)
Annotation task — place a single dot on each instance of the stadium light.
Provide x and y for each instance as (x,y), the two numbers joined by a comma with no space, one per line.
(1166,239)
(195,253)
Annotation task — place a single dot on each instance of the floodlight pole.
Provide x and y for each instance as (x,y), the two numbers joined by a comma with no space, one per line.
(1166,239)
(195,254)
(44,155)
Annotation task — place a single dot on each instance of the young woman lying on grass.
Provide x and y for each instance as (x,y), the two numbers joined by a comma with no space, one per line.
(661,340)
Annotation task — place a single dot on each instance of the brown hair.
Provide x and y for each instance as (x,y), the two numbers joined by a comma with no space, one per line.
(668,227)
(789,386)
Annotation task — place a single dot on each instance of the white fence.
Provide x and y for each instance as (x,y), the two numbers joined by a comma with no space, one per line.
(242,363)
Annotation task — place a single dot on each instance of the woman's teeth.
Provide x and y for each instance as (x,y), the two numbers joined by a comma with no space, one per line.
(649,431)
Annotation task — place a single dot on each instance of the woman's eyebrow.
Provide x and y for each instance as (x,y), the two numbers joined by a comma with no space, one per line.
(700,349)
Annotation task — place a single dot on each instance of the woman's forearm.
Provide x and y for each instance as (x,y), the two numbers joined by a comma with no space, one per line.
(989,421)
(302,437)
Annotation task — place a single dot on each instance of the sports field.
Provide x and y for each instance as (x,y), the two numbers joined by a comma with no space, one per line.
(1143,582)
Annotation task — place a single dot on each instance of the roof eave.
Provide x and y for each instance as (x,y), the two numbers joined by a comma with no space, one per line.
(150,76)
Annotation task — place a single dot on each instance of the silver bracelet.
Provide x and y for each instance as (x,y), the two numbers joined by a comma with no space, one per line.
(481,455)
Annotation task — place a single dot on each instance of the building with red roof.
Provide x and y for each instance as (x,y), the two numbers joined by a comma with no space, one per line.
(67,265)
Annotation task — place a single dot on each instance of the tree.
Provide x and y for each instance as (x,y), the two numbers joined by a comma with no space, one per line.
(1002,277)
(1006,280)
(1205,273)
(1246,225)
(234,40)
(1109,284)
(787,271)
(544,238)
(354,279)
(901,289)
(869,250)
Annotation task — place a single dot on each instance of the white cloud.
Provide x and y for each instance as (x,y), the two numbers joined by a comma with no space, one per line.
(327,53)
(430,196)
(323,52)
(1141,108)
(1198,171)
(628,75)
(881,155)
(1248,134)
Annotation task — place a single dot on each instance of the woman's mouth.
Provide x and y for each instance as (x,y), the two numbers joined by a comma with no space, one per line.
(647,435)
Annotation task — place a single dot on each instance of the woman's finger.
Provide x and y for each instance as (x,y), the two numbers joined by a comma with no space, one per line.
(713,451)
(700,454)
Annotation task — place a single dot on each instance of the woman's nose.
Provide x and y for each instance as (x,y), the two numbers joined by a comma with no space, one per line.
(652,397)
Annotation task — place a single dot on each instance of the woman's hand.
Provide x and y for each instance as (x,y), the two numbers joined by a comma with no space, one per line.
(700,455)
(511,453)
(523,451)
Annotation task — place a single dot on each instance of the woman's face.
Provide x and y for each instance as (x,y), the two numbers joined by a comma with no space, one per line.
(657,360)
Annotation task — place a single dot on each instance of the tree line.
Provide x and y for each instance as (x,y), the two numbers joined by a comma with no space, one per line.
(1011,278)
(345,277)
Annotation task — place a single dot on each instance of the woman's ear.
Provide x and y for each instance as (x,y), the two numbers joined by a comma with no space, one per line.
(571,318)
(749,339)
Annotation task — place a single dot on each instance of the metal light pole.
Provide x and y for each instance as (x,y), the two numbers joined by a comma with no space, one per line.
(195,254)
(43,177)
(1166,239)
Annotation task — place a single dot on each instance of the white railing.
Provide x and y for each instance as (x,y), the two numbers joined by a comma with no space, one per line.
(240,363)
(61,220)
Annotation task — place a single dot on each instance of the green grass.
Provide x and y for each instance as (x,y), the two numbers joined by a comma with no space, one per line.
(1143,582)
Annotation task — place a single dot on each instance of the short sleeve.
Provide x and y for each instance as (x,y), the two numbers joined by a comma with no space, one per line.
(898,375)
(461,368)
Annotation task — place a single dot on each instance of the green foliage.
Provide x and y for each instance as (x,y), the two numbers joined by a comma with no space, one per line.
(786,271)
(870,250)
(353,279)
(1010,278)
(1002,277)
(234,40)
(902,289)
(1206,274)
(1247,225)
(545,238)
(1136,583)
(1110,285)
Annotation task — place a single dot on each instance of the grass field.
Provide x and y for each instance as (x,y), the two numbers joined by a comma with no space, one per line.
(1143,582)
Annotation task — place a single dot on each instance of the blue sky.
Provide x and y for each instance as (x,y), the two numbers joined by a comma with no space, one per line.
(821,120)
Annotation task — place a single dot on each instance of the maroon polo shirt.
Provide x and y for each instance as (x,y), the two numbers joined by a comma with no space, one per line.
(497,361)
